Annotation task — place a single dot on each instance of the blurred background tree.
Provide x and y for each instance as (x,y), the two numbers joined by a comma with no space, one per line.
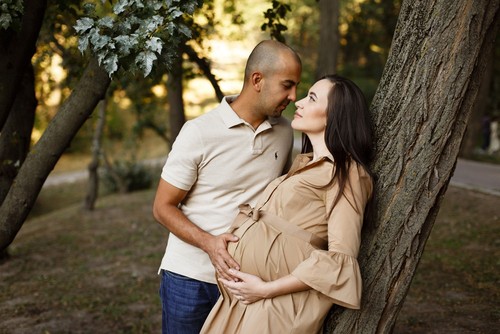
(127,37)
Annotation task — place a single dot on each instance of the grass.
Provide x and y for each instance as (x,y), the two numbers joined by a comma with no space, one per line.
(73,271)
(455,289)
(85,272)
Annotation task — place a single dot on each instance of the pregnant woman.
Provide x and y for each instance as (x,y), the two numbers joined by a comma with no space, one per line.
(297,248)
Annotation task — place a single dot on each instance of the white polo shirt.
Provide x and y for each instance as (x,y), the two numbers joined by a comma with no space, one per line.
(222,162)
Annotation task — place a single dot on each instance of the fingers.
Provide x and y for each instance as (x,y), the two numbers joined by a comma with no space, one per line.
(223,264)
(216,248)
(237,274)
(231,263)
(242,299)
(223,273)
(230,237)
(233,288)
(220,257)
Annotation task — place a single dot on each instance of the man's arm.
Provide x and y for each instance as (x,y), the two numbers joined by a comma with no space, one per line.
(167,213)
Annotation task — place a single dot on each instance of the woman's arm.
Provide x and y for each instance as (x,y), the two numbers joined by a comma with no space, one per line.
(251,288)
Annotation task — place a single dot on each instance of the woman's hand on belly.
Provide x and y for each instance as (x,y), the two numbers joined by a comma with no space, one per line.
(251,288)
(248,289)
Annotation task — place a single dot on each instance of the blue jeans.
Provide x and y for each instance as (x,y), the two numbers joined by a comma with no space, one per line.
(186,303)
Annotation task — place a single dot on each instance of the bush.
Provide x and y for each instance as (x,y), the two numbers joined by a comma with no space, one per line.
(127,176)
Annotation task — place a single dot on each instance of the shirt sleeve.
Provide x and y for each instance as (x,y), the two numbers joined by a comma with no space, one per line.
(335,272)
(181,167)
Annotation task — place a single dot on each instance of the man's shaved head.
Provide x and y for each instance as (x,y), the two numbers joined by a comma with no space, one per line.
(266,57)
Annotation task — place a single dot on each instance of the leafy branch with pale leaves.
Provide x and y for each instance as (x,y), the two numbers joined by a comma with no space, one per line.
(11,12)
(137,34)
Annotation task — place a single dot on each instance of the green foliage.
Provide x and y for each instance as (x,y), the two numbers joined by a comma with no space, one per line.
(11,12)
(366,36)
(274,16)
(134,35)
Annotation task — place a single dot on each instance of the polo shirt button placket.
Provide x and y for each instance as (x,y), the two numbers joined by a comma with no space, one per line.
(257,145)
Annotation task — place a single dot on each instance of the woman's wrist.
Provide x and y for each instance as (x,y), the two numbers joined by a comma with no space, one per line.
(282,286)
(269,289)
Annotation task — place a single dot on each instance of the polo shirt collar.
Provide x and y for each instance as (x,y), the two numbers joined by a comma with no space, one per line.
(231,119)
(308,157)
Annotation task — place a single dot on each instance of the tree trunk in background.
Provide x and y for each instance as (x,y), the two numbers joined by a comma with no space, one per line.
(175,101)
(93,185)
(44,155)
(16,51)
(204,66)
(472,138)
(328,37)
(15,137)
(420,113)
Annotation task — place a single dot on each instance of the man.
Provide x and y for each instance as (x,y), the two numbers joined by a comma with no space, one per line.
(219,160)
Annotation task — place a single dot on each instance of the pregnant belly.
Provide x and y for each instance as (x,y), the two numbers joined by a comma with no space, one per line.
(265,251)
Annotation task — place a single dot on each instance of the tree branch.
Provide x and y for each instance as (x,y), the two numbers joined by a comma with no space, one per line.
(16,52)
(205,68)
(42,158)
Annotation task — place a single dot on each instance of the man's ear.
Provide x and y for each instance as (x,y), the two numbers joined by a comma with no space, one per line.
(257,81)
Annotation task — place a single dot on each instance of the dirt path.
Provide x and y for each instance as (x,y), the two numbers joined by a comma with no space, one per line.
(478,176)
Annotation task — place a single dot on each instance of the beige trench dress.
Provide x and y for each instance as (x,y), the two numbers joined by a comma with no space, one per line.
(295,230)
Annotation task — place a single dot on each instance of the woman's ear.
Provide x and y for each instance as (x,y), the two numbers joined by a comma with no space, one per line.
(257,81)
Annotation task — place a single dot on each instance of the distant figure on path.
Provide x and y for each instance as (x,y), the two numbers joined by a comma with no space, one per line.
(494,140)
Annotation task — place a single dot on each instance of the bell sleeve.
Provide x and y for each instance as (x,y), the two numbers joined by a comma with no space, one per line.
(335,272)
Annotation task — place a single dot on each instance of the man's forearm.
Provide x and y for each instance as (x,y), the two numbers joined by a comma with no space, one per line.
(177,223)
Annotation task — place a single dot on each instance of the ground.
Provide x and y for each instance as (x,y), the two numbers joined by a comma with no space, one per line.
(72,271)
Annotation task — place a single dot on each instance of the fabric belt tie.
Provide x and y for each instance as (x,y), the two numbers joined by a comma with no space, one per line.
(246,211)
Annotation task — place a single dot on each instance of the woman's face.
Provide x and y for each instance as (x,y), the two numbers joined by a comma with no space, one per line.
(310,116)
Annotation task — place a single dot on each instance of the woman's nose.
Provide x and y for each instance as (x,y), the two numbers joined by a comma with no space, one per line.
(298,104)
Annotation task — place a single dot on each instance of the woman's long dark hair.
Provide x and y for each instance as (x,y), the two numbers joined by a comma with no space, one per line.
(348,133)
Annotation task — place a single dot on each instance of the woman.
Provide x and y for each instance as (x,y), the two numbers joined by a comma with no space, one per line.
(297,248)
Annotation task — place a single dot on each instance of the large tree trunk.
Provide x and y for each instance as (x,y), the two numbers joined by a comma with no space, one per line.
(44,155)
(328,37)
(175,101)
(16,51)
(15,137)
(420,112)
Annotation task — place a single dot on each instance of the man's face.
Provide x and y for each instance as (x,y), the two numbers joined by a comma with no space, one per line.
(280,87)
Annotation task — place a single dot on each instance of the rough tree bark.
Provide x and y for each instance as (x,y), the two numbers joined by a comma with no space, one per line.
(44,155)
(16,51)
(15,137)
(420,113)
(328,37)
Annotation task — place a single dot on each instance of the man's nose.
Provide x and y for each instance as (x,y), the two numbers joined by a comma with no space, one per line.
(293,94)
